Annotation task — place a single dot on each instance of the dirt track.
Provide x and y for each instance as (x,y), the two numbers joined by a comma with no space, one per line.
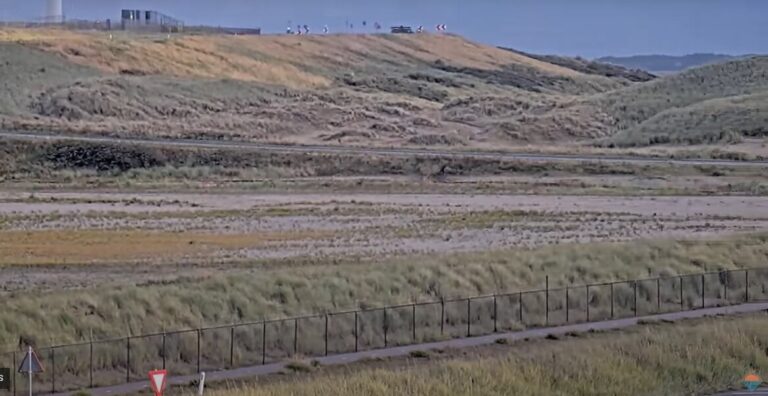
(748,207)
(398,152)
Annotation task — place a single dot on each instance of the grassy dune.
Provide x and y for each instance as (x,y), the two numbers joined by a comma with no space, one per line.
(696,357)
(715,103)
(355,89)
(736,117)
(418,90)
(273,60)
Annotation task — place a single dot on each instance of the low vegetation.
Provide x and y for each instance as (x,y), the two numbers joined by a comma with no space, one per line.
(301,286)
(695,357)
(101,165)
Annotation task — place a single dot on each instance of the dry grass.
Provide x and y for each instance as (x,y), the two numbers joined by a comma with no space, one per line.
(269,59)
(460,51)
(85,246)
(195,57)
(299,286)
(697,357)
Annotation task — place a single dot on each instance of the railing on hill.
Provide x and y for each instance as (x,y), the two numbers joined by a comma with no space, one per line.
(113,361)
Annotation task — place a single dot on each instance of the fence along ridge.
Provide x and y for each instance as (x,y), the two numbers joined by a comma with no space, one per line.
(442,299)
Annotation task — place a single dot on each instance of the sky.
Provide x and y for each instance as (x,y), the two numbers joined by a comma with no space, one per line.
(588,28)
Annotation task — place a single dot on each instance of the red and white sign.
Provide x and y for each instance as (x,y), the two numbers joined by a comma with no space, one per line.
(157,381)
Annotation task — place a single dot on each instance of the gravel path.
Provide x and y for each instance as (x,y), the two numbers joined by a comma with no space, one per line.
(397,152)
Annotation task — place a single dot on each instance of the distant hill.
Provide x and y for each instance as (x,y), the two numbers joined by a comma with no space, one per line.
(585,66)
(664,64)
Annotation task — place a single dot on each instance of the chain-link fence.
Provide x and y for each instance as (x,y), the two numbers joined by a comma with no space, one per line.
(111,362)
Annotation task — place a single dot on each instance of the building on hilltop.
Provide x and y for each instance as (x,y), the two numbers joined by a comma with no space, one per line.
(402,29)
(149,21)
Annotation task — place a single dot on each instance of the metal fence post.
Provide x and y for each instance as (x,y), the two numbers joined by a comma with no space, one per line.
(357,343)
(442,316)
(163,350)
(658,295)
(385,328)
(546,300)
(520,308)
(746,285)
(296,336)
(587,303)
(198,349)
(703,288)
(13,369)
(495,315)
(469,318)
(232,346)
(53,370)
(611,300)
(128,359)
(725,288)
(413,321)
(326,334)
(567,305)
(264,342)
(682,301)
(90,362)
(634,305)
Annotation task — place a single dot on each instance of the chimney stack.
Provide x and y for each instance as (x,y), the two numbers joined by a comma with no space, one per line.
(55,11)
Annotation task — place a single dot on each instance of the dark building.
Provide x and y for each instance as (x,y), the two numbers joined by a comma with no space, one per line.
(149,21)
(402,29)
(223,30)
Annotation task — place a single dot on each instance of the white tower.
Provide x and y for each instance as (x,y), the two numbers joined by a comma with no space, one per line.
(55,11)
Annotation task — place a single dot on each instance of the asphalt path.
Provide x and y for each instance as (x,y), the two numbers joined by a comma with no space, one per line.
(398,152)
(347,358)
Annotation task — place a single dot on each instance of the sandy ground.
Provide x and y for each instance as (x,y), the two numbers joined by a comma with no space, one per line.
(114,230)
(19,202)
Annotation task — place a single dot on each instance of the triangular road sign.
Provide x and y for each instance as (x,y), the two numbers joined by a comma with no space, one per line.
(157,381)
(30,364)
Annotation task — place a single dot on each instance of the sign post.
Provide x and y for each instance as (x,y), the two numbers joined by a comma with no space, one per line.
(157,381)
(201,385)
(30,365)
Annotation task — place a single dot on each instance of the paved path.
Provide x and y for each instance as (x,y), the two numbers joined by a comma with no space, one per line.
(398,152)
(346,358)
(758,392)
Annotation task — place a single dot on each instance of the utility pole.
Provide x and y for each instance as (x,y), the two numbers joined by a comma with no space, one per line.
(29,361)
